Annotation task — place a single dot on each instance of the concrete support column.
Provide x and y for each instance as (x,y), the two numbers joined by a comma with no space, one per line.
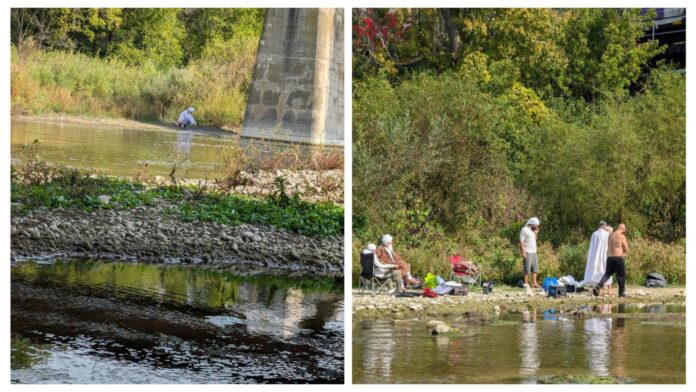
(322,66)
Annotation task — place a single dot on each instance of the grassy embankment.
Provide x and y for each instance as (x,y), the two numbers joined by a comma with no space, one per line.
(44,82)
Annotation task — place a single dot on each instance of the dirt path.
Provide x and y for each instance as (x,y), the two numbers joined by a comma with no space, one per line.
(382,306)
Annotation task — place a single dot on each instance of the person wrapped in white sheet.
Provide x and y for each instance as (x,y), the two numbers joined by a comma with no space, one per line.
(597,257)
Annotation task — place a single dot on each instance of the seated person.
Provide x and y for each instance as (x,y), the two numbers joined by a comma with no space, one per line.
(186,118)
(387,255)
(386,271)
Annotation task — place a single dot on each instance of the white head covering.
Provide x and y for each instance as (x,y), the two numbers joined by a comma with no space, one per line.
(386,239)
(533,221)
(371,247)
(191,109)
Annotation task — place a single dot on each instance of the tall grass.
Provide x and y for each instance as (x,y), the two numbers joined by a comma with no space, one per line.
(73,83)
(500,261)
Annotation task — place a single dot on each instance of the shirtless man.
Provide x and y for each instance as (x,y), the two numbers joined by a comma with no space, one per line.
(616,251)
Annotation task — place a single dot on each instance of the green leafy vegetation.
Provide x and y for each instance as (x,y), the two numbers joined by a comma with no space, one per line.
(143,64)
(35,184)
(468,122)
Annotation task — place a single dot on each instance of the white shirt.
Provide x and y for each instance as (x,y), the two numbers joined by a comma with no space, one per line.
(186,117)
(528,237)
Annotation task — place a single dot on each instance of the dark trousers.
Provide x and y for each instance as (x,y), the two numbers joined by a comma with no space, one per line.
(615,265)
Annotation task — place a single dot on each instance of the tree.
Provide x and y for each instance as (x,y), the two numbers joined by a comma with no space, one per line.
(583,53)
(212,27)
(148,35)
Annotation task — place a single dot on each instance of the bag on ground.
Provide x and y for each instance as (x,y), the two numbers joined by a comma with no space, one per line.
(655,280)
(548,282)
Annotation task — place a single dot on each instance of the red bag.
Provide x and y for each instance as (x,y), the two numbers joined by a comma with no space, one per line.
(465,268)
(429,293)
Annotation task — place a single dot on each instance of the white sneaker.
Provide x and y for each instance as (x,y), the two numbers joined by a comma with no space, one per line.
(392,291)
(527,290)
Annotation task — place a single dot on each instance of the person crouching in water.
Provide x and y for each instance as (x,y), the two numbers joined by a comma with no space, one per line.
(387,255)
(186,118)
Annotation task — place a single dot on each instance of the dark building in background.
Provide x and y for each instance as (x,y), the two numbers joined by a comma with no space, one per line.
(669,28)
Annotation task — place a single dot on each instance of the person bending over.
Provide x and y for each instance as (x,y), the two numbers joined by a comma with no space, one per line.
(186,118)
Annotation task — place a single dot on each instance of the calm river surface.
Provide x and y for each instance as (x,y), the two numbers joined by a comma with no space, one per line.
(622,341)
(119,151)
(101,322)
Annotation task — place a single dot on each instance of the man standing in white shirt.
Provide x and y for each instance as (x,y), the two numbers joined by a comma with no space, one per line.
(528,251)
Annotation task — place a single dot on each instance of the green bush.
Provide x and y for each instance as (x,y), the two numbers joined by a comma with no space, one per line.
(500,261)
(78,84)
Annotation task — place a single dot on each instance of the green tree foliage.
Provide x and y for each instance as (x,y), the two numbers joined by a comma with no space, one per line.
(160,37)
(585,53)
(149,35)
(212,28)
(468,122)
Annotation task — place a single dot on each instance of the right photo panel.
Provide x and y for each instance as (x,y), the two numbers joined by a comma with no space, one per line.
(519,196)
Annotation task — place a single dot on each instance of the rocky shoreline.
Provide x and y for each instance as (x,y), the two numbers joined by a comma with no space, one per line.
(148,234)
(382,306)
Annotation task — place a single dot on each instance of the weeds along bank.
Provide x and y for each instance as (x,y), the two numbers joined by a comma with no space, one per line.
(44,82)
(62,212)
(500,261)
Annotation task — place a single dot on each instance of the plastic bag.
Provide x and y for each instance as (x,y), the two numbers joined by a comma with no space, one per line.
(548,282)
(430,281)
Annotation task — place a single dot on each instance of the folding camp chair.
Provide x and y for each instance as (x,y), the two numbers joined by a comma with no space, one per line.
(465,272)
(368,280)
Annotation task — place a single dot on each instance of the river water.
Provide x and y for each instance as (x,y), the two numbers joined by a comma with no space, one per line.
(634,343)
(107,322)
(120,151)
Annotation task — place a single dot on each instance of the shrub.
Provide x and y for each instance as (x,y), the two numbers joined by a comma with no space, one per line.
(78,84)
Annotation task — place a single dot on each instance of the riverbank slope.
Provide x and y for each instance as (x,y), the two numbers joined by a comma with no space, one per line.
(59,212)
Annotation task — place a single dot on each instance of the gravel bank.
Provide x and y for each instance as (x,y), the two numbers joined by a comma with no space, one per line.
(382,306)
(147,234)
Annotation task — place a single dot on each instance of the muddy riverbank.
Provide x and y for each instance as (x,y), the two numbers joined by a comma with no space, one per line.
(149,234)
(386,307)
(121,123)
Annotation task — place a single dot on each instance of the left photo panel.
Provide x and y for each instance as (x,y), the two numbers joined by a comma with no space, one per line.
(177,195)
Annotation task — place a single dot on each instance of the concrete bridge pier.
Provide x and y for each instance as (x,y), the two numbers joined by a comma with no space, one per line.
(297,90)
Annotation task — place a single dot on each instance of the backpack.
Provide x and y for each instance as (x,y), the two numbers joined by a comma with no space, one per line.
(548,282)
(655,280)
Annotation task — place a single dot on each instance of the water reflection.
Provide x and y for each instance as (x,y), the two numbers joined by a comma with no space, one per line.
(597,342)
(119,151)
(183,143)
(147,319)
(616,342)
(529,344)
(378,353)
